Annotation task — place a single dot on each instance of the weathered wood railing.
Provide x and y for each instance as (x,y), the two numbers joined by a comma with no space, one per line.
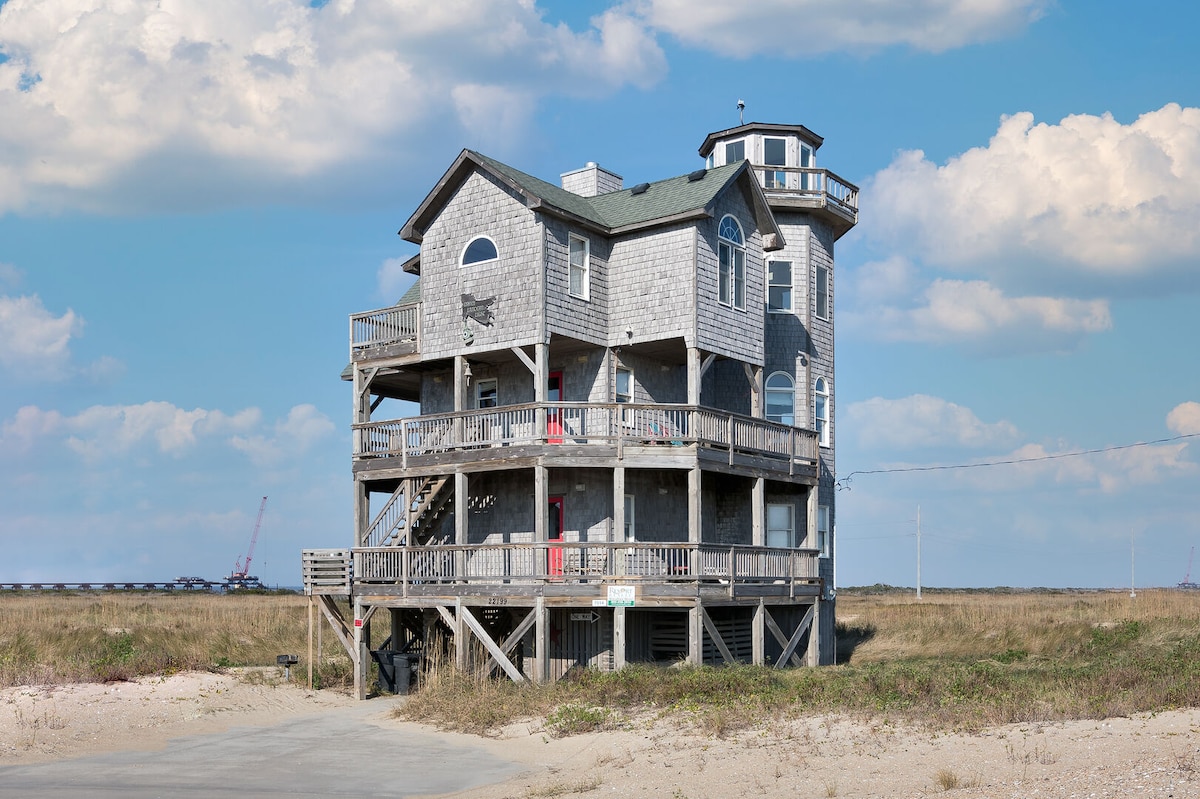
(810,181)
(395,325)
(584,424)
(577,561)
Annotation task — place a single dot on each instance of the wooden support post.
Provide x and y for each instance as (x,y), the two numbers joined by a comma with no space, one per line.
(695,510)
(310,641)
(461,644)
(813,655)
(620,651)
(362,513)
(754,376)
(541,643)
(693,376)
(541,510)
(362,650)
(758,535)
(810,525)
(696,634)
(461,531)
(758,635)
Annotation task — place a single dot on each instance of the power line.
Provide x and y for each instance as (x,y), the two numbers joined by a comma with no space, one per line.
(844,482)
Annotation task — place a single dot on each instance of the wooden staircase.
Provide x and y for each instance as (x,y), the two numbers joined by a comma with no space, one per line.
(430,498)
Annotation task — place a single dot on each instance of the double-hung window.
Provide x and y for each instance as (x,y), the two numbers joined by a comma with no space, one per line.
(781,525)
(580,257)
(821,410)
(823,530)
(779,286)
(731,264)
(822,292)
(624,387)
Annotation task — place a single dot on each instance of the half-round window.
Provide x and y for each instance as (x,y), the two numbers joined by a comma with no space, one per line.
(478,250)
(781,398)
(731,230)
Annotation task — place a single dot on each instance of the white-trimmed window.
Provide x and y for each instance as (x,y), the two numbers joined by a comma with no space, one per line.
(624,385)
(735,151)
(731,263)
(822,292)
(781,525)
(580,266)
(808,160)
(781,398)
(823,530)
(821,410)
(779,286)
(485,393)
(774,154)
(630,527)
(479,250)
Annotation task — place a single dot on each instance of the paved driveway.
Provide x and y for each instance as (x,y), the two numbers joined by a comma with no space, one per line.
(335,753)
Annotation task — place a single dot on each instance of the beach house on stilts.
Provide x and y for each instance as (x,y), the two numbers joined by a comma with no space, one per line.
(599,429)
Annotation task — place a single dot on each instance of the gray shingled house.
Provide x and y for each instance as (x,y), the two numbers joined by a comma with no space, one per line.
(599,429)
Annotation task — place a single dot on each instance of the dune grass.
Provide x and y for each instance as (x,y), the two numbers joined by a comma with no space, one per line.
(50,637)
(954,660)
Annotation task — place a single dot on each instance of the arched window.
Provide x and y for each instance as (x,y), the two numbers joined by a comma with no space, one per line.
(781,398)
(479,250)
(821,411)
(731,259)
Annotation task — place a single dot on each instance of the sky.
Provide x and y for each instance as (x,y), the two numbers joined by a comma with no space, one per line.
(194,197)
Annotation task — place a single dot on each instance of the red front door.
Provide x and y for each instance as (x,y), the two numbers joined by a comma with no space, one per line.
(554,532)
(554,393)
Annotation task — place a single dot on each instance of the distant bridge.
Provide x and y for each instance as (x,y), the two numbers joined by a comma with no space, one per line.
(173,585)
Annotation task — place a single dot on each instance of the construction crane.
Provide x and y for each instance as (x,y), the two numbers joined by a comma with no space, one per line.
(240,577)
(1187,578)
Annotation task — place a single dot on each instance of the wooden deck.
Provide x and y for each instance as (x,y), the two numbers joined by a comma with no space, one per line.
(583,430)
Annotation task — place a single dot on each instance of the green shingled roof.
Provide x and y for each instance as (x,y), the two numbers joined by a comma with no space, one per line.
(664,198)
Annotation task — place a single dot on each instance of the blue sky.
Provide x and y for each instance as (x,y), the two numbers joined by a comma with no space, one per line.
(194,198)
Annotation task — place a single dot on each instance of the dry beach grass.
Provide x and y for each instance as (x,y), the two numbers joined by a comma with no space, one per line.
(1048,694)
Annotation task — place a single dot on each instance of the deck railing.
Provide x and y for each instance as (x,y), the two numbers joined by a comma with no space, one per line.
(399,324)
(583,561)
(810,182)
(569,423)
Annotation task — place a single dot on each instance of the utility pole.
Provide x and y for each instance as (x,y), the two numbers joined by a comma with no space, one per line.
(918,553)
(1132,593)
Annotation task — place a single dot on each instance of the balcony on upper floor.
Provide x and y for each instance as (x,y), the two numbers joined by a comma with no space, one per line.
(386,333)
(811,189)
(662,435)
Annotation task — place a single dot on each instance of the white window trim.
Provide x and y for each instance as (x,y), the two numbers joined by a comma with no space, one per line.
(791,536)
(479,385)
(768,390)
(724,151)
(816,295)
(823,533)
(791,286)
(630,531)
(821,390)
(463,252)
(587,266)
(734,248)
(617,395)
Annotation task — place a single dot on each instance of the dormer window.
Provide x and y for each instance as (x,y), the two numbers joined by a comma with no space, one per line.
(731,264)
(479,250)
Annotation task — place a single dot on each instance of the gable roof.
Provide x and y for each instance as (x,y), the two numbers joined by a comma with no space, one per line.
(662,202)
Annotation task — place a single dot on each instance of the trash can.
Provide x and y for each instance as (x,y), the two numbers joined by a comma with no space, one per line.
(395,671)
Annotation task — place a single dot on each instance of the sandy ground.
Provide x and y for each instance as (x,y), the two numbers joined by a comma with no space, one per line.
(1145,756)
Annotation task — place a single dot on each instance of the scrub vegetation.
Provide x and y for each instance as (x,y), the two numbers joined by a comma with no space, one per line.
(958,660)
(961,660)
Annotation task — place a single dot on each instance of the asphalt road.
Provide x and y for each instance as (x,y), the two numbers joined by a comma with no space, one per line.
(335,753)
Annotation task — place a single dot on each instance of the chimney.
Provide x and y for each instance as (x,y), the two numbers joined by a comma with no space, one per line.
(593,179)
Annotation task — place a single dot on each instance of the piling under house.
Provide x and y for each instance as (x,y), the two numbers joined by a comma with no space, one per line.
(599,429)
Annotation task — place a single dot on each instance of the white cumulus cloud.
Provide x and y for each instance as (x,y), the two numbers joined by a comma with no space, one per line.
(291,436)
(1184,419)
(976,315)
(922,421)
(33,340)
(812,27)
(144,101)
(1090,194)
